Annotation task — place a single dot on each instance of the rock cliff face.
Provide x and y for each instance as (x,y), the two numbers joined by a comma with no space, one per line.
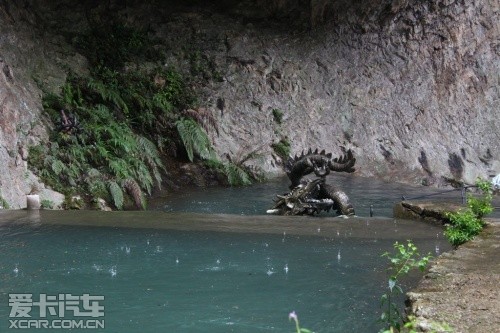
(411,86)
(20,108)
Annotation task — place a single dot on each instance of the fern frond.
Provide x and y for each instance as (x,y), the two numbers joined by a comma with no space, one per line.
(134,190)
(48,160)
(195,139)
(108,93)
(162,102)
(143,176)
(116,193)
(68,95)
(119,168)
(57,166)
(204,118)
(97,188)
(151,156)
(236,175)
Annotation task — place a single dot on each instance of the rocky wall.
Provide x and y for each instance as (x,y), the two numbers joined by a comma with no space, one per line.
(411,86)
(29,59)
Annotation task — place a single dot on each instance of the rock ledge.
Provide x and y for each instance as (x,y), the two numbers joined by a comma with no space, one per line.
(461,288)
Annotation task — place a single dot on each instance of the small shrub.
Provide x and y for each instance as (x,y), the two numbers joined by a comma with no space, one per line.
(282,148)
(47,204)
(464,226)
(481,206)
(468,223)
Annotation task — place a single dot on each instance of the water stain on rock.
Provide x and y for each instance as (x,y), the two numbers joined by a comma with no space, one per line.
(424,162)
(456,165)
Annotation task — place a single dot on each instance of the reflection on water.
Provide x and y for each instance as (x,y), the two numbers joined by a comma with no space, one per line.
(256,199)
(156,278)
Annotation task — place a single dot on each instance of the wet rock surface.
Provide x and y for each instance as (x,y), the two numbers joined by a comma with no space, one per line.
(462,287)
(426,210)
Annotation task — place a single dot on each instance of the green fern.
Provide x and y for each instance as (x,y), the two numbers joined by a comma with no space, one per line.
(236,175)
(108,92)
(151,156)
(119,168)
(123,114)
(71,96)
(116,194)
(97,189)
(163,102)
(194,139)
(57,166)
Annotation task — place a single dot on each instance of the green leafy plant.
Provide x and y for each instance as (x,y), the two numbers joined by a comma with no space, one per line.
(405,259)
(468,223)
(130,110)
(195,139)
(282,148)
(47,204)
(236,175)
(411,326)
(481,206)
(127,114)
(3,203)
(277,116)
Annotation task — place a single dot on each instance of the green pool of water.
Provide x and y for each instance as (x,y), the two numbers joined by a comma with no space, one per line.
(363,193)
(162,272)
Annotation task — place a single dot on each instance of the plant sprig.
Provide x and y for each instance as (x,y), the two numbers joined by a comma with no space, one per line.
(404,259)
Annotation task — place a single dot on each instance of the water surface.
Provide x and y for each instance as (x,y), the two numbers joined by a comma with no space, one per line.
(180,272)
(257,198)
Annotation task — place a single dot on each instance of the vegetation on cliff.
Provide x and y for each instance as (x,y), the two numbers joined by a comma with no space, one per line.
(129,113)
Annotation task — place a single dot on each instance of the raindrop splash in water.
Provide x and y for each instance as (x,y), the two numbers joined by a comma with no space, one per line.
(113,271)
